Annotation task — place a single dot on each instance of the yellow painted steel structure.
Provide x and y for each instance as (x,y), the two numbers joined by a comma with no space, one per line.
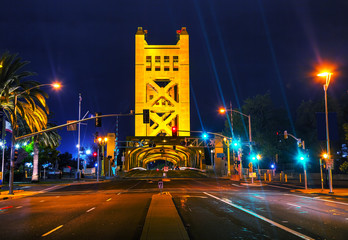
(162,85)
(110,148)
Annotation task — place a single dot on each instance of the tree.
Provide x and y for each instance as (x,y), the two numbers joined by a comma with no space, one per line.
(31,102)
(23,103)
(344,167)
(265,121)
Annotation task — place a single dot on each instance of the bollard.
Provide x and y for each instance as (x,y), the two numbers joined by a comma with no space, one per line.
(286,177)
(265,177)
(280,176)
(300,177)
(269,177)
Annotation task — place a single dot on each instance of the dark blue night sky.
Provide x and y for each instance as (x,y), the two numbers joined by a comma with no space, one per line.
(238,49)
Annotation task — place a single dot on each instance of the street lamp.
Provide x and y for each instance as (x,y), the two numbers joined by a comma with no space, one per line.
(55,85)
(224,110)
(327,76)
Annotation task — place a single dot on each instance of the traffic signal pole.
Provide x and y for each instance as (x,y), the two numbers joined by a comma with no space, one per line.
(300,143)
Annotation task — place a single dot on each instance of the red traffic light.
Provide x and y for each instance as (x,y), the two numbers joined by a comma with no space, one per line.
(174,131)
(95,154)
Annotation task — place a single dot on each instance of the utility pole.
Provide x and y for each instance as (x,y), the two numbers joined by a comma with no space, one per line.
(116,146)
(78,140)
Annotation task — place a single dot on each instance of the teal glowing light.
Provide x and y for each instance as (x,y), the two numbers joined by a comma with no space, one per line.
(235,144)
(302,158)
(205,136)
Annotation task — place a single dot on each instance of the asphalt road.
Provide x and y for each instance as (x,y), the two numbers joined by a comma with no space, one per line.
(209,209)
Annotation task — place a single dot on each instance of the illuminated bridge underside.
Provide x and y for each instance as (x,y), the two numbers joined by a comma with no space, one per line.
(139,152)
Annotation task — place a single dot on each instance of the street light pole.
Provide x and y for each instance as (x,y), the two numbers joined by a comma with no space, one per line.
(14,130)
(12,147)
(326,86)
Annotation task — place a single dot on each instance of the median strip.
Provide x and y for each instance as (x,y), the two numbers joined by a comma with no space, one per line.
(261,217)
(162,220)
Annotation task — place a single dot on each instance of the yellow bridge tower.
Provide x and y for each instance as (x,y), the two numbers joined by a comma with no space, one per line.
(162,85)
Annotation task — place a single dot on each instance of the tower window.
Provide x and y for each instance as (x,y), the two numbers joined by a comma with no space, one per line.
(148,63)
(157,63)
(175,63)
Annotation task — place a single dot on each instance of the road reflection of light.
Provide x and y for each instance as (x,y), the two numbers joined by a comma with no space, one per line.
(183,204)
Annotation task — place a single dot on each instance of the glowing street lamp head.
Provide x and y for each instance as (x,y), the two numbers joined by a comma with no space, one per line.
(324,74)
(325,156)
(56,85)
(258,157)
(222,110)
(105,139)
(100,139)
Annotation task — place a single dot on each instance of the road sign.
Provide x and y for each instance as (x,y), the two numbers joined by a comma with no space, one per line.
(250,167)
(329,163)
(71,127)
(160,185)
(252,174)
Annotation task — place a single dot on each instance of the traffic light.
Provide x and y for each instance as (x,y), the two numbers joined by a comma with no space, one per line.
(95,154)
(15,154)
(174,131)
(205,136)
(98,121)
(285,134)
(146,116)
(235,144)
(299,142)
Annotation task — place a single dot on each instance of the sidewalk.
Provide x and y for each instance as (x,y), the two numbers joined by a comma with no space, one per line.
(337,192)
(28,189)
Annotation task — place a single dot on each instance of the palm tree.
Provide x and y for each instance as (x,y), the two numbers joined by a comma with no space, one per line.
(23,104)
(31,103)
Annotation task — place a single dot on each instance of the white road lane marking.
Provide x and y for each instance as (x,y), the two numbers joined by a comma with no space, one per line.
(236,185)
(19,207)
(325,200)
(43,235)
(90,209)
(261,217)
(294,205)
(259,197)
(278,186)
(42,200)
(118,193)
(109,199)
